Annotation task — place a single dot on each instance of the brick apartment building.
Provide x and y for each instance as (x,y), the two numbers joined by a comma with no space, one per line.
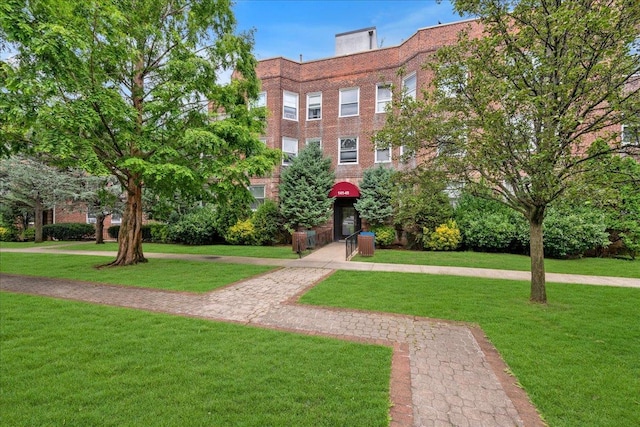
(339,103)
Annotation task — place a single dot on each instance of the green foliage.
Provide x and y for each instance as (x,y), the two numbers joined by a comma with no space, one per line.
(69,231)
(7,234)
(159,232)
(114,230)
(242,233)
(28,234)
(419,202)
(573,231)
(446,237)
(119,87)
(304,189)
(489,226)
(385,235)
(196,228)
(268,223)
(376,190)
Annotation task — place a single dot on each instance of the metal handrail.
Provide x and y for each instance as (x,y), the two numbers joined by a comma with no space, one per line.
(351,245)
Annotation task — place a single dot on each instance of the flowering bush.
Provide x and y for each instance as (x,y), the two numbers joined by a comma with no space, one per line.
(242,233)
(385,235)
(446,237)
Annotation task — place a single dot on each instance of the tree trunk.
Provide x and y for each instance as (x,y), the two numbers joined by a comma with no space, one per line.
(130,235)
(99,228)
(37,220)
(536,247)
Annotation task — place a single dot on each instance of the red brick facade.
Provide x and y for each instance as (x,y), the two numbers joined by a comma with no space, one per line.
(364,71)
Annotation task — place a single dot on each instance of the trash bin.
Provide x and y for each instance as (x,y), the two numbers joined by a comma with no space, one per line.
(299,240)
(366,243)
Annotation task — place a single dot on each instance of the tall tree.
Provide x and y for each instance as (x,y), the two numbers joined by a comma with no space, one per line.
(376,190)
(27,184)
(513,110)
(129,88)
(304,189)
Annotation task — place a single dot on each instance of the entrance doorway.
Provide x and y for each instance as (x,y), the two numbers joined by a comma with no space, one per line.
(346,220)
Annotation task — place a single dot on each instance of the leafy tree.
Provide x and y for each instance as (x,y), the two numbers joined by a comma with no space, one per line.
(304,189)
(376,189)
(103,197)
(513,110)
(419,202)
(26,184)
(126,88)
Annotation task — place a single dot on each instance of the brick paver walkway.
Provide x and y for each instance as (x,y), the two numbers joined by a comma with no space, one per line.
(443,374)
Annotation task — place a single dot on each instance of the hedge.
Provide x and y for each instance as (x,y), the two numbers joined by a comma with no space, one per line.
(68,231)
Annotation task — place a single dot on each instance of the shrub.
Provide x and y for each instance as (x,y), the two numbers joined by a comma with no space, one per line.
(114,231)
(195,228)
(28,235)
(242,233)
(572,232)
(68,231)
(268,223)
(7,234)
(385,235)
(159,232)
(490,226)
(446,237)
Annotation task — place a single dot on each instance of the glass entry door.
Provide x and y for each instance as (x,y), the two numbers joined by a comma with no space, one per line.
(346,220)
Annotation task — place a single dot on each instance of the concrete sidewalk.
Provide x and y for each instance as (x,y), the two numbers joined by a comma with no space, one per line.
(332,256)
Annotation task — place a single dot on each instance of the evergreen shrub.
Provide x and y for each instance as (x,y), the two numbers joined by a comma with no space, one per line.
(68,231)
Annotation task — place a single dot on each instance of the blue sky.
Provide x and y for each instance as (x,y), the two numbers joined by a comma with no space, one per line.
(290,28)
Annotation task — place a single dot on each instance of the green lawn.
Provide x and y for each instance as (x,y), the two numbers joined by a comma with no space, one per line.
(27,245)
(577,358)
(70,363)
(280,252)
(191,276)
(589,266)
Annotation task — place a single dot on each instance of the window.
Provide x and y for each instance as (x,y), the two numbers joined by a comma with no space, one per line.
(630,135)
(317,141)
(383,97)
(289,150)
(91,218)
(348,151)
(261,101)
(116,219)
(453,81)
(257,191)
(314,106)
(290,106)
(383,155)
(349,102)
(409,86)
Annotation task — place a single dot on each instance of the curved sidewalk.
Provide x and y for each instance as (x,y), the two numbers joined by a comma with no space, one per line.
(442,373)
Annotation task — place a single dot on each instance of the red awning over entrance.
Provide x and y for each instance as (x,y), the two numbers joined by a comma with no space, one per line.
(344,189)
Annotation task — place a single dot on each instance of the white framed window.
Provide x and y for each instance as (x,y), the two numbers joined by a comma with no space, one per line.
(317,141)
(314,106)
(383,97)
(91,218)
(263,140)
(261,101)
(116,219)
(383,155)
(410,85)
(290,105)
(349,102)
(257,191)
(630,135)
(451,86)
(289,150)
(348,151)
